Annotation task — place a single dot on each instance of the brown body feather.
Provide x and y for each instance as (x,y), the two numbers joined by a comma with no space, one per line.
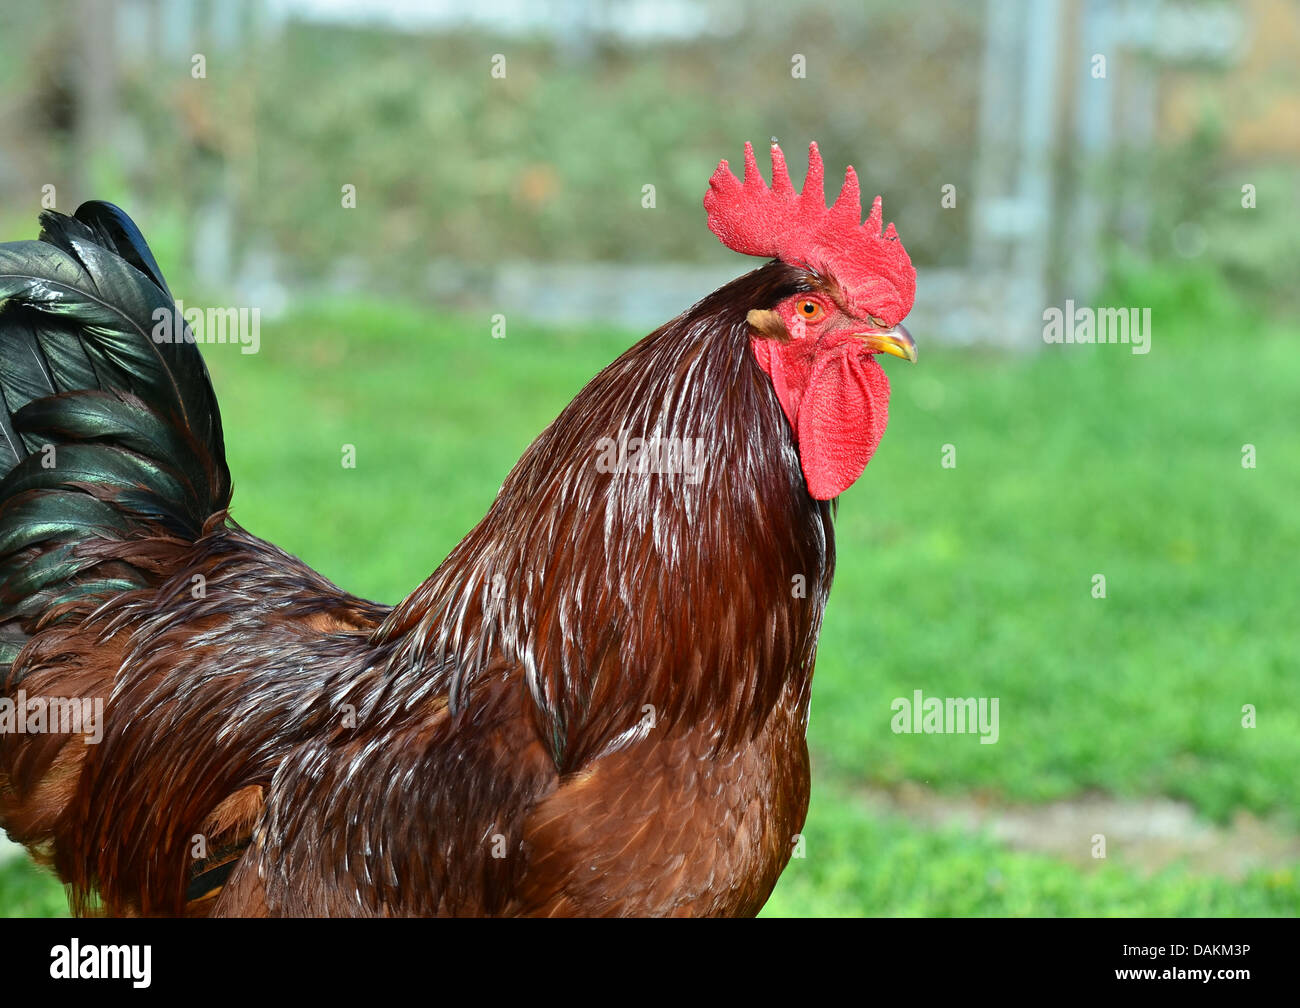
(596,705)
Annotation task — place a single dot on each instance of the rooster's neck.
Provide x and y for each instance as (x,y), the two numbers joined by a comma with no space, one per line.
(681,579)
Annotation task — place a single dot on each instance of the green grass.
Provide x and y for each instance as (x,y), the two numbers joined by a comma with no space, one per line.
(966,581)
(977,580)
(857,864)
(29,891)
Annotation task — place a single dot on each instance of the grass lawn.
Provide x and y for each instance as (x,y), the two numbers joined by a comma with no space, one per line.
(975,580)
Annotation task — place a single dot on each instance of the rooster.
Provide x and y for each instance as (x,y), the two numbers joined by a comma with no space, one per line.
(596,705)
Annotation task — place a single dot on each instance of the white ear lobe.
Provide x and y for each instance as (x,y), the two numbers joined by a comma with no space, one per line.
(767,324)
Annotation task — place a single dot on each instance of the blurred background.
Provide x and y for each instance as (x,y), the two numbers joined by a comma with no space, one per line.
(381,180)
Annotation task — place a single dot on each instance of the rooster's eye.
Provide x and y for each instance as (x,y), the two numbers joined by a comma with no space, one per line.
(809,310)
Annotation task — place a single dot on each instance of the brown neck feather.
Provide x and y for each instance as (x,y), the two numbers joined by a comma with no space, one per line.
(698,593)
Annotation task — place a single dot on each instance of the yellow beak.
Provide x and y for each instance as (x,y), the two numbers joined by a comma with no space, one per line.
(897,342)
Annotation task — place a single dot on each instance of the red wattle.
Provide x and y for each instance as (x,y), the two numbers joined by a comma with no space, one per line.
(841,420)
(838,406)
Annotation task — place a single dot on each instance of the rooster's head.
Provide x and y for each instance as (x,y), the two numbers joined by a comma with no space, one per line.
(818,346)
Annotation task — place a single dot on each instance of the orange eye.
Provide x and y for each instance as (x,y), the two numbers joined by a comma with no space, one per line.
(809,310)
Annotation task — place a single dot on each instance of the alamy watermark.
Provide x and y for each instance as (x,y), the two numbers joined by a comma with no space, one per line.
(41,715)
(1098,325)
(215,325)
(75,961)
(670,456)
(924,715)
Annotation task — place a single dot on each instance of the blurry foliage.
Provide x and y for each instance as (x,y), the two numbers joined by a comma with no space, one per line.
(549,162)
(534,163)
(1194,248)
(448,160)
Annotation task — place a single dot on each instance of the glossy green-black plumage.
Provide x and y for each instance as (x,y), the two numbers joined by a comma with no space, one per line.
(103,428)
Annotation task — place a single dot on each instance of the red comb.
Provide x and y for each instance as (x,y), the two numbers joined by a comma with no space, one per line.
(873,269)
